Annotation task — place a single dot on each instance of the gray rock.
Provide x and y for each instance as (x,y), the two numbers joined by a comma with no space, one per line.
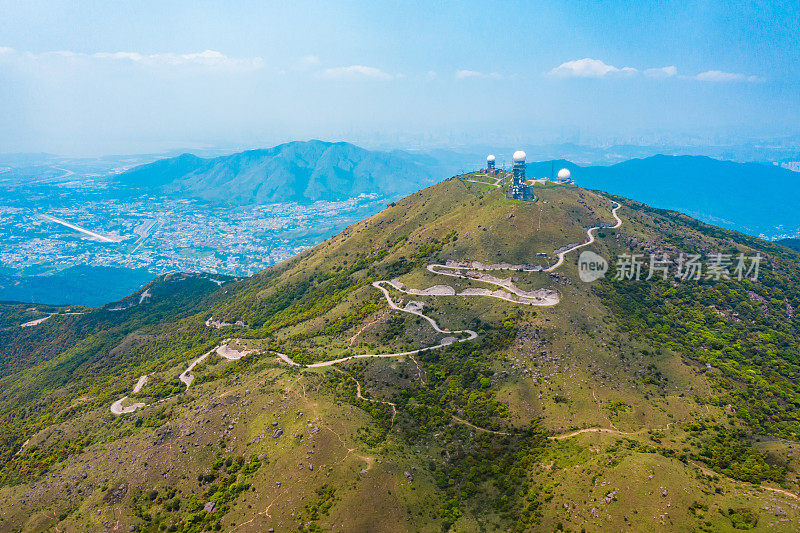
(209,507)
(115,495)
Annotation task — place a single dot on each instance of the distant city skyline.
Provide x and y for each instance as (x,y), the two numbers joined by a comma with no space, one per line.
(92,78)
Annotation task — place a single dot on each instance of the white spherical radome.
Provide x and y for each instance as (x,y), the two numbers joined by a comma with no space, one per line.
(564,174)
(519,155)
(490,157)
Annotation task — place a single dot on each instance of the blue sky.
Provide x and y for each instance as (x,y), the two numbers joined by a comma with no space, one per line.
(112,76)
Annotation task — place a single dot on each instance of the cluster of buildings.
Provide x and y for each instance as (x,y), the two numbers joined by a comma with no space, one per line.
(518,188)
(164,234)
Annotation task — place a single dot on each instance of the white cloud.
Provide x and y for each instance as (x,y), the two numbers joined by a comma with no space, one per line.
(595,68)
(6,50)
(663,72)
(588,68)
(355,72)
(721,77)
(208,59)
(466,74)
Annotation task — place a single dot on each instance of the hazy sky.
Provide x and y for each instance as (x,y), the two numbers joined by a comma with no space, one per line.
(113,76)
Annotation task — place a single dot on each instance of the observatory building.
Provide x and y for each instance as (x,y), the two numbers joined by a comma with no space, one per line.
(564,176)
(518,170)
(518,190)
(490,162)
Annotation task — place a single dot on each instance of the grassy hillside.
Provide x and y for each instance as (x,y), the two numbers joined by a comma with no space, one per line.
(620,405)
(77,283)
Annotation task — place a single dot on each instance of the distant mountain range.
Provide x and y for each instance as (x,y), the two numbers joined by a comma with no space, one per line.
(794,244)
(302,172)
(753,198)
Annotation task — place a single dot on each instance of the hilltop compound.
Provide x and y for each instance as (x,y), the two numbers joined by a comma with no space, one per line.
(518,188)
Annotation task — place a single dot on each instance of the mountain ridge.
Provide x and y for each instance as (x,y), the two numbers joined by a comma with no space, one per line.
(292,172)
(572,413)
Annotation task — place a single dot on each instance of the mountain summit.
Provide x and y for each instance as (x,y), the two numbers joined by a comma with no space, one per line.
(439,366)
(302,172)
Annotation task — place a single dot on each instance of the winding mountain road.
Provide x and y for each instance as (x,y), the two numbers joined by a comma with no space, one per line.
(590,234)
(117,408)
(414,308)
(187,377)
(447,341)
(231,354)
(409,308)
(539,297)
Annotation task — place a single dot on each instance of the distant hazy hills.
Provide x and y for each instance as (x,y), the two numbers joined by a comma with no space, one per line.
(794,244)
(754,198)
(293,172)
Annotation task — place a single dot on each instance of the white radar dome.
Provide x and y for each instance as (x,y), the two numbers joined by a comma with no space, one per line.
(564,174)
(519,155)
(490,158)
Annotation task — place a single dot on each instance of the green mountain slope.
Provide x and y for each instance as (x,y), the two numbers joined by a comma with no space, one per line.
(378,382)
(78,283)
(293,172)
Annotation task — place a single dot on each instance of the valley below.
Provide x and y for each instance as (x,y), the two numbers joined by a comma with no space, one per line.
(88,237)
